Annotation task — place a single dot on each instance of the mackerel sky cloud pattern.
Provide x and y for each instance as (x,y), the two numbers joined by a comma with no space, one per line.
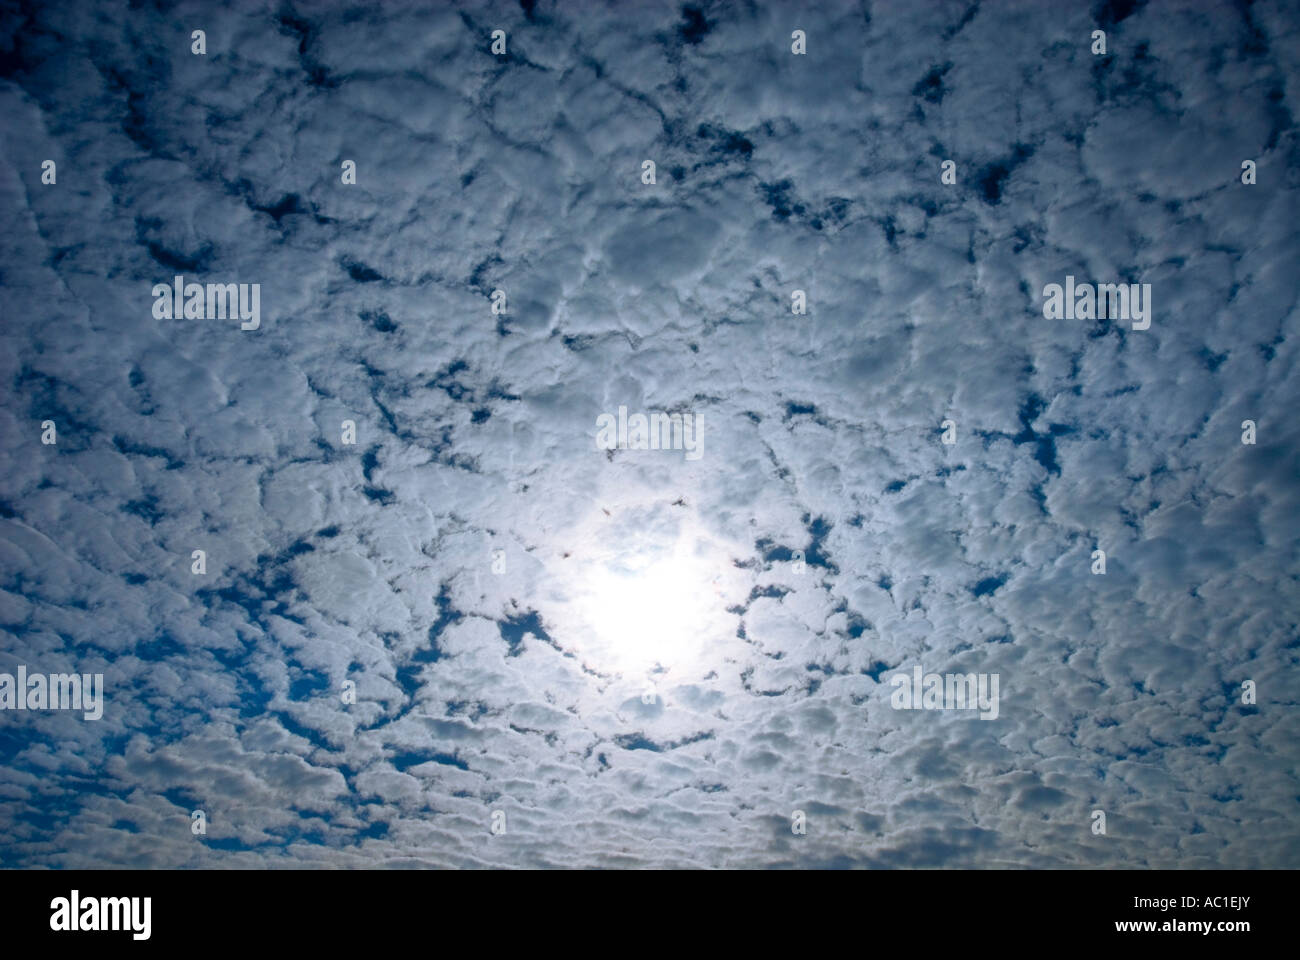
(462,568)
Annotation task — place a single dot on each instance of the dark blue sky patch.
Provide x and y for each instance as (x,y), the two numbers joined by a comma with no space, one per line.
(304,684)
(179,262)
(636,741)
(315,737)
(379,320)
(514,628)
(930,88)
(49,398)
(146,508)
(778,196)
(404,761)
(160,647)
(408,678)
(989,585)
(877,670)
(1111,13)
(362,273)
(447,616)
(133,449)
(991,179)
(379,495)
(287,205)
(226,844)
(694,26)
(726,143)
(857,625)
(13,740)
(369,463)
(305,33)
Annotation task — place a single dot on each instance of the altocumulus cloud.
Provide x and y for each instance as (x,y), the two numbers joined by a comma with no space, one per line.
(400,644)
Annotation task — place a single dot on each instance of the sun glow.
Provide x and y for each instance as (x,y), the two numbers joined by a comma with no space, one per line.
(646,607)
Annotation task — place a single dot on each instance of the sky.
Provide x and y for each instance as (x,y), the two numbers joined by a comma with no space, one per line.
(476,637)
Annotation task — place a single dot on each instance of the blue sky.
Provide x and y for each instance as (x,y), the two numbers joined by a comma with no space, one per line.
(620,650)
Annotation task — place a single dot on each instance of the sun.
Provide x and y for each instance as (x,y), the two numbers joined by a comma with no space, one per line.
(654,605)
